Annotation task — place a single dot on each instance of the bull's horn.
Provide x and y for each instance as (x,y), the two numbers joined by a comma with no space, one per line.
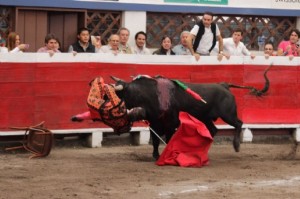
(118,88)
(116,78)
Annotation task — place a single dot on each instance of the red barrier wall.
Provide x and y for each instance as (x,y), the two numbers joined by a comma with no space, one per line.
(53,92)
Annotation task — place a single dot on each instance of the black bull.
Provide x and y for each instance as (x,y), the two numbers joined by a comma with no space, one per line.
(163,119)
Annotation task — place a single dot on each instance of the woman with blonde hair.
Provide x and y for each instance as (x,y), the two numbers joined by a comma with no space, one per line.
(13,43)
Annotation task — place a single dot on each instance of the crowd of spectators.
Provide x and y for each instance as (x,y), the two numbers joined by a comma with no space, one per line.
(204,39)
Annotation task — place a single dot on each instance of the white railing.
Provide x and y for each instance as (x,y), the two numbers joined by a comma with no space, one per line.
(143,59)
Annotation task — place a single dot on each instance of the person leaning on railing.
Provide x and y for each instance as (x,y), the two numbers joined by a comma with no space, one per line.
(51,45)
(233,46)
(204,36)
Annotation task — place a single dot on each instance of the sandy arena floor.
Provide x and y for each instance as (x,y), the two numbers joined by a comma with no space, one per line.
(258,171)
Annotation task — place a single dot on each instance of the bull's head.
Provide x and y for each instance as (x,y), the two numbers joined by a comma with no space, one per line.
(134,114)
(124,124)
(119,85)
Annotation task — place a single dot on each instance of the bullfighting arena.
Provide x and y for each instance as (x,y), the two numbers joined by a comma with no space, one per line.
(124,171)
(52,89)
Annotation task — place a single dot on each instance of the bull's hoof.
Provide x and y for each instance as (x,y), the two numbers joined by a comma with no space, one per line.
(155,156)
(76,119)
(236,146)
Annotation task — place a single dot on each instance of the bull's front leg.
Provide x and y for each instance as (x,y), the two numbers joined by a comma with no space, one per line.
(170,133)
(155,144)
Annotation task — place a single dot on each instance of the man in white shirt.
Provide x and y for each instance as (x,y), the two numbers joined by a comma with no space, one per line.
(204,36)
(234,47)
(113,45)
(140,41)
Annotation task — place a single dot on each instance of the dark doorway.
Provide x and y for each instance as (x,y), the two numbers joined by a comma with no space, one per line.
(33,25)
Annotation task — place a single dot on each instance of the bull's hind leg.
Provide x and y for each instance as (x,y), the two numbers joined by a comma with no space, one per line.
(234,121)
(228,113)
(237,135)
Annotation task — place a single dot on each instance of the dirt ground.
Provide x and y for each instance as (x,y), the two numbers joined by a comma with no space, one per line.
(258,171)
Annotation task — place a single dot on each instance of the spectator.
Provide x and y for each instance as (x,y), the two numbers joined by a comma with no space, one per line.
(96,41)
(269,50)
(82,45)
(51,45)
(234,47)
(13,43)
(140,41)
(165,48)
(3,49)
(204,36)
(113,45)
(182,48)
(290,47)
(124,36)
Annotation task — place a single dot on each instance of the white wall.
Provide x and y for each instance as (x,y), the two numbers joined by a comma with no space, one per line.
(135,22)
(142,1)
(269,4)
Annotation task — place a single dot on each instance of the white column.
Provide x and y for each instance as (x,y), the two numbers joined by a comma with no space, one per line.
(298,23)
(246,135)
(145,136)
(135,21)
(296,135)
(95,139)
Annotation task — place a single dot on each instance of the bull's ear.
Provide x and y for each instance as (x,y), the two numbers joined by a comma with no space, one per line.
(116,79)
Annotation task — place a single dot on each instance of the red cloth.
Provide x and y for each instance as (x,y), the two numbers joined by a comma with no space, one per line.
(189,145)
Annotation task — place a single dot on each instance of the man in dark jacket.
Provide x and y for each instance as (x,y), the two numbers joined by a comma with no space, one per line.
(83,45)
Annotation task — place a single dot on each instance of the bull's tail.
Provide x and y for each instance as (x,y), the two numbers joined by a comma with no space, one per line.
(253,90)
